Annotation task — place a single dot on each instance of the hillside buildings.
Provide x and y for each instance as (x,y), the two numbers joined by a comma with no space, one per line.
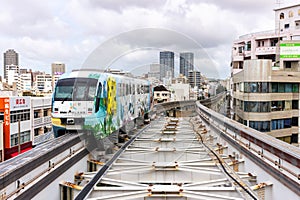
(265,72)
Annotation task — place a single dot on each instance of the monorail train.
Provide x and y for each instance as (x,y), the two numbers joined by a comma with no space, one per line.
(97,102)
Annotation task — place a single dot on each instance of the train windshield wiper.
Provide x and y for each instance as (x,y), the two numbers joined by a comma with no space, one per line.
(67,97)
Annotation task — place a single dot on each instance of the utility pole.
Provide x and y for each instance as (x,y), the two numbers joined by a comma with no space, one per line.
(1,142)
(19,136)
(277,58)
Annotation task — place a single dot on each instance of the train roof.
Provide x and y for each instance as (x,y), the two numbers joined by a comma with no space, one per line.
(96,74)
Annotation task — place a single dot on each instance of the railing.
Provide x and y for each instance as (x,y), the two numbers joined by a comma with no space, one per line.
(265,50)
(278,158)
(41,121)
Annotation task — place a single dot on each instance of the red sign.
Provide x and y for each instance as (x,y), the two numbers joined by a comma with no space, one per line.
(5,108)
(20,101)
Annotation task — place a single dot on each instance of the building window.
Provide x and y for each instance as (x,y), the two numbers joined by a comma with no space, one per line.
(274,42)
(281,87)
(295,104)
(287,105)
(254,87)
(277,105)
(241,49)
(288,65)
(281,123)
(248,46)
(21,115)
(294,138)
(295,87)
(274,87)
(281,16)
(262,126)
(288,87)
(24,137)
(14,140)
(294,121)
(251,106)
(291,14)
(286,139)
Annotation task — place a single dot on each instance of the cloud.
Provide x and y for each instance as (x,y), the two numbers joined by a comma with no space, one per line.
(119,6)
(67,31)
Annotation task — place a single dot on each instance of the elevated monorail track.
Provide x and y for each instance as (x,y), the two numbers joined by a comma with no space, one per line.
(204,157)
(23,176)
(165,160)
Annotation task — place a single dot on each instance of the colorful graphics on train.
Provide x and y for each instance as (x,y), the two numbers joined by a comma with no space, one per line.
(116,101)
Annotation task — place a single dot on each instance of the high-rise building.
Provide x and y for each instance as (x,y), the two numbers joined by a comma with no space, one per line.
(186,63)
(265,77)
(166,61)
(10,57)
(57,68)
(194,78)
(154,71)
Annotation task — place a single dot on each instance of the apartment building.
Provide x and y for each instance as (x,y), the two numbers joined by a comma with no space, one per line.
(265,77)
(41,117)
(44,83)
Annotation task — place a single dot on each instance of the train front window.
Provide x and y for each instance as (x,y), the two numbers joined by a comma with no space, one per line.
(64,90)
(75,89)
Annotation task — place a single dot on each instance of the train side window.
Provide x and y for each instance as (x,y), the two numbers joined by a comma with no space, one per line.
(98,96)
(133,89)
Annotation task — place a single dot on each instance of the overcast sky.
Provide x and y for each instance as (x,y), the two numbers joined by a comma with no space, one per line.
(69,31)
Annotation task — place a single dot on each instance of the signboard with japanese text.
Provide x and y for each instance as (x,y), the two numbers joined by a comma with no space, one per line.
(19,103)
(5,109)
(290,50)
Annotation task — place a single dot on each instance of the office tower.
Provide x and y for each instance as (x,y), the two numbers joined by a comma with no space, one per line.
(186,63)
(166,61)
(10,57)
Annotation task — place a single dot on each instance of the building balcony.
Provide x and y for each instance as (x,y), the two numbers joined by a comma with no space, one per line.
(265,50)
(41,121)
(247,54)
(281,132)
(282,114)
(238,57)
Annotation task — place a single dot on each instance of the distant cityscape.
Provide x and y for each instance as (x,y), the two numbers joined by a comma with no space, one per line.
(25,102)
(263,87)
